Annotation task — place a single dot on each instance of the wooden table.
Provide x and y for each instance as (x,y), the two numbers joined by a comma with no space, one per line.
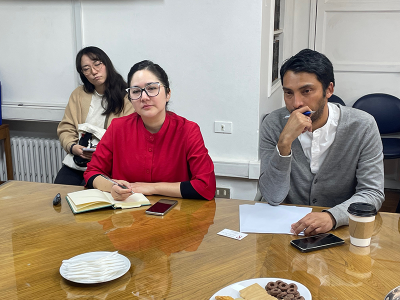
(178,256)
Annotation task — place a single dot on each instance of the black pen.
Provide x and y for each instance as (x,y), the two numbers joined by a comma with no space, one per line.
(114,182)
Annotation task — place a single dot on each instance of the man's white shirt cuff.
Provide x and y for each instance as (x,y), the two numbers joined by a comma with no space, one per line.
(290,154)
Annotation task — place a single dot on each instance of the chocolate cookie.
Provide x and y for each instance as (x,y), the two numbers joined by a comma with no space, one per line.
(283,290)
(283,286)
(271,285)
(274,292)
(281,295)
(296,294)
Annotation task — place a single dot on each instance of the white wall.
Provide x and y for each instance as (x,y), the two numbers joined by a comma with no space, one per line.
(303,22)
(36,54)
(212,59)
(362,40)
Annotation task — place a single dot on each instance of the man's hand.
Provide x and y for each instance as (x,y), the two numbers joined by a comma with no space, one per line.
(314,223)
(296,125)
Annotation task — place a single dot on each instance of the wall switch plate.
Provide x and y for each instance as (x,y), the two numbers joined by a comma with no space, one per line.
(222,127)
(223,193)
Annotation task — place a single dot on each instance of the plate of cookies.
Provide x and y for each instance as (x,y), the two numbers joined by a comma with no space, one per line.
(264,288)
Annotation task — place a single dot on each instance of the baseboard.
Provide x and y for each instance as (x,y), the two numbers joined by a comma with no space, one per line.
(237,169)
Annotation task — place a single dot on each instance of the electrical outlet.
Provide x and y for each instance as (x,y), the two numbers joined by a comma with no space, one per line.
(222,127)
(223,193)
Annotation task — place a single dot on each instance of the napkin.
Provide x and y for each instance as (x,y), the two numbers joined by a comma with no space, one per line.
(100,269)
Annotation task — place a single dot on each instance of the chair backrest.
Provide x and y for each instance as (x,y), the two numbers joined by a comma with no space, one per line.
(336,99)
(384,108)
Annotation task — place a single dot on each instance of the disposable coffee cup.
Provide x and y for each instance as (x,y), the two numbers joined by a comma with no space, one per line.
(361,223)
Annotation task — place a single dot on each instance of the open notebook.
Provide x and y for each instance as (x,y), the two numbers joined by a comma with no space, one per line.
(92,199)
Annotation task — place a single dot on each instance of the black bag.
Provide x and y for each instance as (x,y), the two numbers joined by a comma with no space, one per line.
(83,141)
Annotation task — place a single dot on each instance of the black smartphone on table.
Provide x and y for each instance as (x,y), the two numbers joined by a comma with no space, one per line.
(161,207)
(317,242)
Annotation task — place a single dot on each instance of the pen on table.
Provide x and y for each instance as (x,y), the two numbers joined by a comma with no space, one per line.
(307,113)
(120,185)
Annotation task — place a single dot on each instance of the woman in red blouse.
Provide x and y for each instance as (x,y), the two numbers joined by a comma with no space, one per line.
(152,151)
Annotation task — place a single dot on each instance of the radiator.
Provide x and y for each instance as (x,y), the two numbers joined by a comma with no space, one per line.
(34,159)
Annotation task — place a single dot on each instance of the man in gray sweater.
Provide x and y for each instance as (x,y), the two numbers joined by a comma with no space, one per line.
(319,153)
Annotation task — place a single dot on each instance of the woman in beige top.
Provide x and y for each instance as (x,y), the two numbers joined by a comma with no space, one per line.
(91,107)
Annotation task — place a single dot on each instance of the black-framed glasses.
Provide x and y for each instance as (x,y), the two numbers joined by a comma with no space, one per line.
(152,89)
(97,65)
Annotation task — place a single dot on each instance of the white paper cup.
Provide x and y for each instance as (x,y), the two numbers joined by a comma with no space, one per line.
(361,223)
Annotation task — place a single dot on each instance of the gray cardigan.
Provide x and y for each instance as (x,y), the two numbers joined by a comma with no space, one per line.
(351,172)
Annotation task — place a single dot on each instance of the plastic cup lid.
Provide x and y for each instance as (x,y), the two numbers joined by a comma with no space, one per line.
(362,209)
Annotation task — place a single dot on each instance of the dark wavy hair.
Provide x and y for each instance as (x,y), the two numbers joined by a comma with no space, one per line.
(153,68)
(313,62)
(113,98)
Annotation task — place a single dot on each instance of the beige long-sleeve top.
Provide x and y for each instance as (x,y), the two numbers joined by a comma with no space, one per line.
(76,112)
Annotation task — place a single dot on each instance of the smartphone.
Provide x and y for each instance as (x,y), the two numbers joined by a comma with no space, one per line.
(317,242)
(161,207)
(89,149)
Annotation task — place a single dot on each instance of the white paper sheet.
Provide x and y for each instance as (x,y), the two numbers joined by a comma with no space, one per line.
(265,218)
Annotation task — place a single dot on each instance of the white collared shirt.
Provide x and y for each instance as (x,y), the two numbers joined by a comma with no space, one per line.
(316,144)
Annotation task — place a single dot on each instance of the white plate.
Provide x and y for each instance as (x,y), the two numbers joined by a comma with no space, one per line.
(228,291)
(96,255)
(393,294)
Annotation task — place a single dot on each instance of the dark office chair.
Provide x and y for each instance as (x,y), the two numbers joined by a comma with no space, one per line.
(386,111)
(336,99)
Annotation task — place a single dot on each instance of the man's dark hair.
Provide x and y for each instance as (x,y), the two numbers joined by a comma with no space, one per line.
(113,98)
(313,62)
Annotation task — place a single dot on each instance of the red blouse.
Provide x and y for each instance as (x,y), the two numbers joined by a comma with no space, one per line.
(174,154)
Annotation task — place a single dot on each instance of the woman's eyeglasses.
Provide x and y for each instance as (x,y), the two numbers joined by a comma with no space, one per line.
(97,65)
(152,89)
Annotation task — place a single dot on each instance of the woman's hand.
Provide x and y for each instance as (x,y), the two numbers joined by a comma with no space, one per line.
(78,150)
(119,193)
(87,155)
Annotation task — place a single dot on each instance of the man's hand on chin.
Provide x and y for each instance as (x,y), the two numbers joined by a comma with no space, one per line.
(314,223)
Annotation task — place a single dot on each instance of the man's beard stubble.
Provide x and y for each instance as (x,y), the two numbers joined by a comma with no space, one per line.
(318,113)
